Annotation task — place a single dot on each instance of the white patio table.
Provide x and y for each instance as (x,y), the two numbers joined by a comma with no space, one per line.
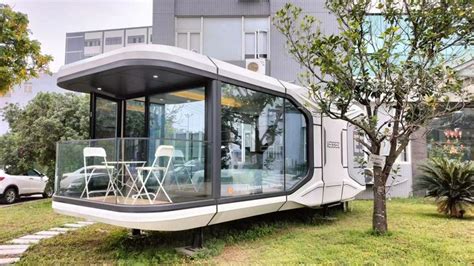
(126,170)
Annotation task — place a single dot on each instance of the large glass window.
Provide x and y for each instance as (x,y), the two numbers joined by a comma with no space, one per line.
(296,161)
(105,118)
(178,119)
(135,118)
(252,152)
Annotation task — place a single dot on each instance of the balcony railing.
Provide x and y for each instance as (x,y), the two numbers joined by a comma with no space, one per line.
(130,173)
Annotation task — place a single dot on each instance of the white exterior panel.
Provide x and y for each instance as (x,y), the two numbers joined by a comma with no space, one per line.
(158,221)
(238,210)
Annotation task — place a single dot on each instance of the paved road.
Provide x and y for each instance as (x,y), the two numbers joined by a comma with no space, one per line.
(21,201)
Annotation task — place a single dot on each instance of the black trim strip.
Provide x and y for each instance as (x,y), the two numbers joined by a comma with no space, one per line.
(92,115)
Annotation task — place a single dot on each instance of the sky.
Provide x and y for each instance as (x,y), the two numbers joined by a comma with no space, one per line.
(51,19)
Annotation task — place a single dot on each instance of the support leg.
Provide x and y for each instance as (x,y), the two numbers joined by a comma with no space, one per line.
(325,211)
(136,232)
(198,238)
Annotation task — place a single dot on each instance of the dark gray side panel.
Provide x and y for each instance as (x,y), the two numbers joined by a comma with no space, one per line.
(163,22)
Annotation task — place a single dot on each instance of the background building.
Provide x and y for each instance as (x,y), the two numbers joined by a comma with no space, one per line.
(22,94)
(80,45)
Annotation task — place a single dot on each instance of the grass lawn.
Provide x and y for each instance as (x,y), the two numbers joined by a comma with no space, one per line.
(28,217)
(418,236)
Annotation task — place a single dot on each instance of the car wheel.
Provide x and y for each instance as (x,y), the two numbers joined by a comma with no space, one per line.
(10,196)
(48,192)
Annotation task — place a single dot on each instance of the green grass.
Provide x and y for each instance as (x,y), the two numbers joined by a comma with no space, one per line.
(28,217)
(418,235)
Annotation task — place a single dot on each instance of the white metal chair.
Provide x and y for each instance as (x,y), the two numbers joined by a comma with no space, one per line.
(163,151)
(97,152)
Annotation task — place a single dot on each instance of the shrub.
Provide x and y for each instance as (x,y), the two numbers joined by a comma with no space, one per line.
(450,182)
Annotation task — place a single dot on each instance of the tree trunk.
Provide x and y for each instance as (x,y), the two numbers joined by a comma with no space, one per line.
(379,219)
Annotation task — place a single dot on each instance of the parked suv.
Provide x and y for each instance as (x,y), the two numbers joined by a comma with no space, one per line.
(12,187)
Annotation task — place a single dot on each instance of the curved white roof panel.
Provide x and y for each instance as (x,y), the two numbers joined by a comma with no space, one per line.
(128,71)
(141,52)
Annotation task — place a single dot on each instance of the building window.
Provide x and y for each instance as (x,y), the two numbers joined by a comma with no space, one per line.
(252,153)
(188,33)
(136,39)
(256,44)
(113,41)
(452,136)
(28,87)
(225,38)
(222,38)
(92,42)
(189,40)
(256,37)
(403,157)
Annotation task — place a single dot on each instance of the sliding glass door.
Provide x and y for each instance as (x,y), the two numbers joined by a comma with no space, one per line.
(177,119)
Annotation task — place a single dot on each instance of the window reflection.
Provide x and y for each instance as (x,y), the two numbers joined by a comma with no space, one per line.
(135,118)
(105,118)
(252,142)
(296,162)
(177,119)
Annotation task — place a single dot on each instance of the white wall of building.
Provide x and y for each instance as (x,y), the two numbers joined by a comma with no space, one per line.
(25,92)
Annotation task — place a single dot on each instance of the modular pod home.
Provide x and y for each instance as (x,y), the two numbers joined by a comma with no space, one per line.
(180,140)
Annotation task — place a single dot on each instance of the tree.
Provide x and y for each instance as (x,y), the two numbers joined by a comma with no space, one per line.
(20,57)
(394,66)
(35,129)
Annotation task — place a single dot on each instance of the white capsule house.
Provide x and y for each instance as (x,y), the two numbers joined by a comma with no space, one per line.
(179,140)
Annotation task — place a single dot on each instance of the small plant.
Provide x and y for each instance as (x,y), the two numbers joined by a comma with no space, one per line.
(450,182)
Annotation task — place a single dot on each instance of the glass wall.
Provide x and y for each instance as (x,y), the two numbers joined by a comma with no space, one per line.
(296,161)
(252,142)
(452,136)
(105,118)
(263,148)
(135,118)
(178,119)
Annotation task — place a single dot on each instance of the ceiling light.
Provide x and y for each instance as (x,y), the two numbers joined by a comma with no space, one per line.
(99,88)
(155,76)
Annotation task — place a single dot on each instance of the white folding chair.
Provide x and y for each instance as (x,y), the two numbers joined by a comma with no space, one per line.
(97,152)
(163,151)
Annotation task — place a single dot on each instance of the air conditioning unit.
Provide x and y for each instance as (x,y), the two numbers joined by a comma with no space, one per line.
(258,65)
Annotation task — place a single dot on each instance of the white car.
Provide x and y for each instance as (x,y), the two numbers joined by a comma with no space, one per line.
(12,187)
